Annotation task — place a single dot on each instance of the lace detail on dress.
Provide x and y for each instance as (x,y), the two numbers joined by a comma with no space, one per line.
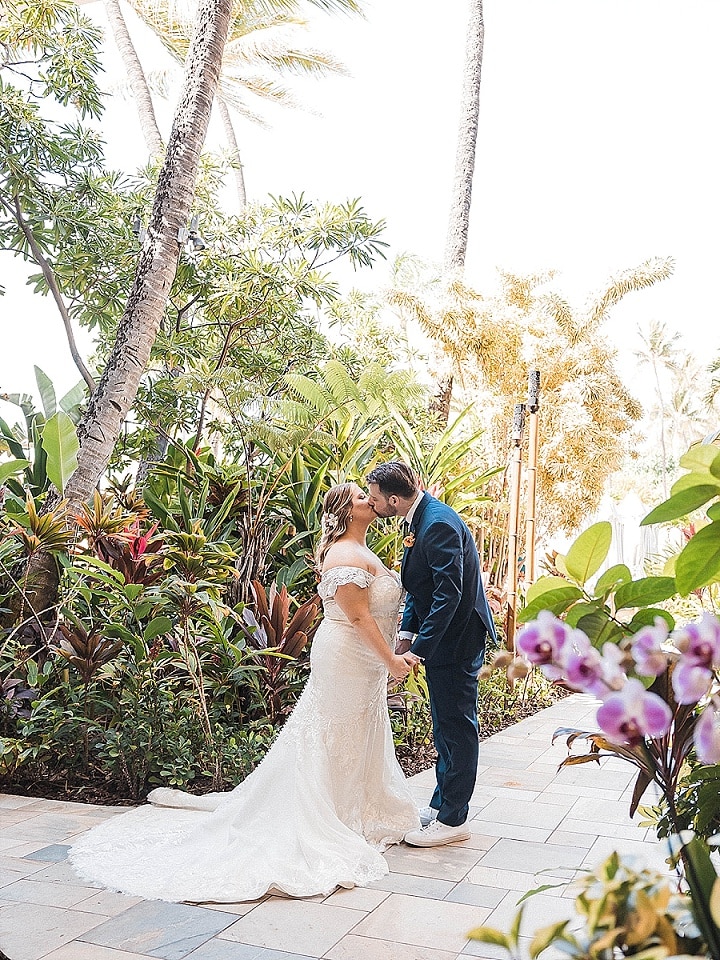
(338,576)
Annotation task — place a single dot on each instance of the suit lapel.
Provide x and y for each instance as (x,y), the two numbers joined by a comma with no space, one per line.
(414,526)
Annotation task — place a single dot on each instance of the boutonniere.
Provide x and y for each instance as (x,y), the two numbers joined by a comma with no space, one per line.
(409,541)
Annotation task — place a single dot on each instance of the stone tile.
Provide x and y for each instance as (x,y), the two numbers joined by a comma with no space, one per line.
(475,894)
(650,854)
(570,839)
(425,887)
(29,931)
(539,911)
(528,857)
(581,790)
(504,880)
(478,841)
(237,909)
(64,872)
(511,793)
(411,920)
(17,865)
(524,779)
(489,951)
(106,903)
(21,848)
(357,898)
(9,801)
(353,947)
(298,926)
(448,862)
(52,828)
(52,854)
(227,950)
(46,893)
(512,831)
(523,812)
(626,830)
(167,930)
(607,811)
(77,950)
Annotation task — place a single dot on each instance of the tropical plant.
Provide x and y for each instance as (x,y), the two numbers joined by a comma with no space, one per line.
(620,912)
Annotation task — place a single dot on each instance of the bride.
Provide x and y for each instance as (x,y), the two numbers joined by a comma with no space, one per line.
(329,795)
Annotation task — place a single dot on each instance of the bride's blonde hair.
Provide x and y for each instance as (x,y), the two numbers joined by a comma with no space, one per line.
(336,515)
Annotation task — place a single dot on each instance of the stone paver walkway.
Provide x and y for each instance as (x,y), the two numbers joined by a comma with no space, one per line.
(526,817)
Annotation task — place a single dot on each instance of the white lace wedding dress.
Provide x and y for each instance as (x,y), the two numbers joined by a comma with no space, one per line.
(315,814)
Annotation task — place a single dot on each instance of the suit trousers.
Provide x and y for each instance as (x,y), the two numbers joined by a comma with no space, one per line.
(453,689)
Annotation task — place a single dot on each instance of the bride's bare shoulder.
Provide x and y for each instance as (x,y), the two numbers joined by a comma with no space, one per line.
(346,554)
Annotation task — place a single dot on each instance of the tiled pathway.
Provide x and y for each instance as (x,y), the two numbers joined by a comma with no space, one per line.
(526,817)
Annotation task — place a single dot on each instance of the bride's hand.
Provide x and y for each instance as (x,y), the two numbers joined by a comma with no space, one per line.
(401,665)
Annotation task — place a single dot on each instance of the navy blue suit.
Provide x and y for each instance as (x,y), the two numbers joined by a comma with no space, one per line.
(446,607)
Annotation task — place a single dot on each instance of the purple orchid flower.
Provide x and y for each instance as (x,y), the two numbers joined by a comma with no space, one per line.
(707,733)
(647,649)
(631,714)
(545,641)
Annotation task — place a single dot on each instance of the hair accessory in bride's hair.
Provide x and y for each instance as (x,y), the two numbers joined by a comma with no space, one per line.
(329,522)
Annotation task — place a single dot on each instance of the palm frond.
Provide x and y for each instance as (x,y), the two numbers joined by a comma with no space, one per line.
(645,275)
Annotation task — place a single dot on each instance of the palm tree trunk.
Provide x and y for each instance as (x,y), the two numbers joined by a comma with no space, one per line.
(459,219)
(234,150)
(136,77)
(100,427)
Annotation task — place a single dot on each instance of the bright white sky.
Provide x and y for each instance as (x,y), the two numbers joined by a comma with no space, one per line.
(598,148)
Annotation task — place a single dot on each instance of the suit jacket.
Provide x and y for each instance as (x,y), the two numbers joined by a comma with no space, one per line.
(446,604)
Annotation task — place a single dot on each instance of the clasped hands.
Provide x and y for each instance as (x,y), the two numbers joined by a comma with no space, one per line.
(403,661)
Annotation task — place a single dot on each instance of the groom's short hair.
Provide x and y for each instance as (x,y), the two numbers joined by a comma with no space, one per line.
(395,479)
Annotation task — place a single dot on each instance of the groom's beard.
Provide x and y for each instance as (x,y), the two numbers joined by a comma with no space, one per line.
(385,512)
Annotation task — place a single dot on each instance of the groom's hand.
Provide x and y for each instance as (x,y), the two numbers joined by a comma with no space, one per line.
(402,645)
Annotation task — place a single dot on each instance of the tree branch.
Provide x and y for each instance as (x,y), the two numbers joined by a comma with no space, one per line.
(54,289)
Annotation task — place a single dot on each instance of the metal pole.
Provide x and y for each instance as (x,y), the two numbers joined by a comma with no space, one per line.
(533,406)
(514,524)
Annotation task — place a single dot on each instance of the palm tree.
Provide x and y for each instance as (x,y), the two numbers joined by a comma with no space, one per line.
(459,219)
(659,351)
(261,44)
(136,77)
(101,425)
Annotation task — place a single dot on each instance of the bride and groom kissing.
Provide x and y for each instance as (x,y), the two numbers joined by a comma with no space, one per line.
(330,796)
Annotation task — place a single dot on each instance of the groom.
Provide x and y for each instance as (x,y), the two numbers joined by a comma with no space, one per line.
(446,621)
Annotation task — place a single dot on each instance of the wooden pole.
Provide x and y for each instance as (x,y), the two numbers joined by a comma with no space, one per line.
(514,524)
(533,407)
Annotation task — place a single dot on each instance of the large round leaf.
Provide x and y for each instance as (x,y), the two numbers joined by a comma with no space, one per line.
(640,593)
(612,578)
(600,629)
(543,585)
(556,601)
(699,562)
(682,503)
(647,617)
(700,457)
(587,554)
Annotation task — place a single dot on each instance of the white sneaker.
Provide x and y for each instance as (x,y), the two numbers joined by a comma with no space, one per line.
(436,833)
(427,815)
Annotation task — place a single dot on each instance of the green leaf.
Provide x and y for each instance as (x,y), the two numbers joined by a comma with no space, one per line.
(156,627)
(714,511)
(646,618)
(682,503)
(613,577)
(490,935)
(132,590)
(10,468)
(545,936)
(60,443)
(579,610)
(599,628)
(47,392)
(699,561)
(642,592)
(587,554)
(701,456)
(554,600)
(543,585)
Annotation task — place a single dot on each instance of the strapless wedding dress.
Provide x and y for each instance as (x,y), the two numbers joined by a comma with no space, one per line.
(315,814)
